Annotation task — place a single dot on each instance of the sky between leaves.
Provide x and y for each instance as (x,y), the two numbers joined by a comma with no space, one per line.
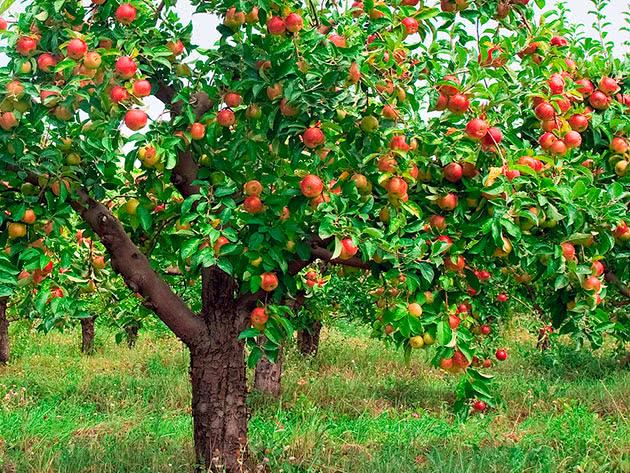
(205,32)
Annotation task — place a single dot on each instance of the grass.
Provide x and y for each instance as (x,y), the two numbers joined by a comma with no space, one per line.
(354,408)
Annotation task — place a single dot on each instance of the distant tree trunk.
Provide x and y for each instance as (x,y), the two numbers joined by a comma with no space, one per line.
(308,339)
(132,335)
(543,343)
(87,335)
(4,332)
(268,375)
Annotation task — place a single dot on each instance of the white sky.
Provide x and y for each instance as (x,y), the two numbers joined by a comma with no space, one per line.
(205,25)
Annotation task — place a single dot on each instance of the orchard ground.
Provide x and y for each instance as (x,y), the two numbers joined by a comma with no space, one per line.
(356,407)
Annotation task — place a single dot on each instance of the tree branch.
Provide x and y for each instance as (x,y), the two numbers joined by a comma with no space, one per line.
(185,171)
(134,267)
(319,251)
(613,279)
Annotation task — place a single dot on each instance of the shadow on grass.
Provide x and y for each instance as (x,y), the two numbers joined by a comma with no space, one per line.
(563,361)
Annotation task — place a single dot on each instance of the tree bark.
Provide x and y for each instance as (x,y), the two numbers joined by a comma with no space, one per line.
(132,335)
(308,340)
(268,375)
(87,335)
(4,332)
(613,279)
(219,382)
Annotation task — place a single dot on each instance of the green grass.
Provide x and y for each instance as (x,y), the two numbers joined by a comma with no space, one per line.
(354,408)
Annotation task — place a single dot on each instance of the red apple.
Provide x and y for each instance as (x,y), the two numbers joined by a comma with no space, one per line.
(447,202)
(556,84)
(578,122)
(142,88)
(501,355)
(221,241)
(118,94)
(492,138)
(176,47)
(480,406)
(483,275)
(599,100)
(126,14)
(437,222)
(397,187)
(313,137)
(449,89)
(259,317)
(92,60)
(197,131)
(126,67)
(558,41)
(269,282)
(25,45)
(619,145)
(76,48)
(46,62)
(572,139)
(545,111)
(558,148)
(592,283)
(446,240)
(226,117)
(399,142)
(411,25)
(568,250)
(294,22)
(252,204)
(453,172)
(136,119)
(477,128)
(311,186)
(253,188)
(456,265)
(348,249)
(597,268)
(458,103)
(232,99)
(608,85)
(585,87)
(276,25)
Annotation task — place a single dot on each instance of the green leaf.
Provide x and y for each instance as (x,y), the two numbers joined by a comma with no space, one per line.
(481,387)
(249,333)
(145,217)
(254,357)
(444,333)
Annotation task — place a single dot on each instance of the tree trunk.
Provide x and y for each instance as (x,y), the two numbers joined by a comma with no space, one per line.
(87,335)
(544,342)
(308,340)
(219,382)
(4,332)
(132,335)
(268,375)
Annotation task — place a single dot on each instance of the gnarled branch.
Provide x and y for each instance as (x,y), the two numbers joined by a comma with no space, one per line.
(128,261)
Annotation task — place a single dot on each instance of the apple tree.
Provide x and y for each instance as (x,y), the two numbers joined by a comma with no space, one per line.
(460,156)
